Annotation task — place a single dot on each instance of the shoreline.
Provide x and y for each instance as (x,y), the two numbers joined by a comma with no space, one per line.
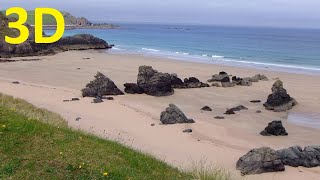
(127,119)
(221,60)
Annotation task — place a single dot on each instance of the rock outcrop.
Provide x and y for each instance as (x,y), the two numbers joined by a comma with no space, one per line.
(296,156)
(219,77)
(279,100)
(274,128)
(193,82)
(173,115)
(101,86)
(154,83)
(259,161)
(30,48)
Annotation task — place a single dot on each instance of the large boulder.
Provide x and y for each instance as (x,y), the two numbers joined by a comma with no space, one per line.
(132,88)
(219,77)
(154,83)
(279,100)
(173,115)
(101,86)
(259,161)
(274,128)
(296,156)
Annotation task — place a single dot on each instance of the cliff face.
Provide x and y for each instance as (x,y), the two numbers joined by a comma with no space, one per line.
(72,20)
(30,48)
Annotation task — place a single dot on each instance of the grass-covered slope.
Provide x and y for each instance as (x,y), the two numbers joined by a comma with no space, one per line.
(31,149)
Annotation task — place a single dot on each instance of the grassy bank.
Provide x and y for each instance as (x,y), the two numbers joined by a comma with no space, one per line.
(37,144)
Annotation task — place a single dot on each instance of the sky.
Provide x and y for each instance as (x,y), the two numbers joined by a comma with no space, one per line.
(275,13)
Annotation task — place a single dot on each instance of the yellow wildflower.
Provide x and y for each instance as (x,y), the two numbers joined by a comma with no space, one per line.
(105,174)
(80,167)
(61,153)
(3,126)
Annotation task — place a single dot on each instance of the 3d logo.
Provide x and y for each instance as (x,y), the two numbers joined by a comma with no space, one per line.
(24,31)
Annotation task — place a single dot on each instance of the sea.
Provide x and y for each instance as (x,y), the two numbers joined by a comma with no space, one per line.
(283,49)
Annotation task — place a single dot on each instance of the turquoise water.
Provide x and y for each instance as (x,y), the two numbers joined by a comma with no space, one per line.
(295,50)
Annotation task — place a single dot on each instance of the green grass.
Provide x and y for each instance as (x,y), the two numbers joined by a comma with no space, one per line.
(37,144)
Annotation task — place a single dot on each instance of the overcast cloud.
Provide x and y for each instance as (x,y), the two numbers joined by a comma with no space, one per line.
(282,13)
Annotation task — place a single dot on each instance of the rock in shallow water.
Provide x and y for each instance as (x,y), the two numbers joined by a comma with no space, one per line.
(279,100)
(173,115)
(259,161)
(101,86)
(274,128)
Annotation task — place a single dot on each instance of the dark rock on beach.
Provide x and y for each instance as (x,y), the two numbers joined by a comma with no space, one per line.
(215,85)
(176,82)
(274,128)
(173,115)
(154,83)
(259,161)
(279,100)
(219,77)
(97,100)
(101,86)
(187,131)
(296,156)
(193,82)
(206,108)
(15,82)
(239,108)
(132,88)
(255,101)
(219,117)
(229,112)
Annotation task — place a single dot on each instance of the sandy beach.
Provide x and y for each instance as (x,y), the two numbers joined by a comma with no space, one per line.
(127,119)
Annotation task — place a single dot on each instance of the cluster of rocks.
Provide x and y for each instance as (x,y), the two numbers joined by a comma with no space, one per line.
(101,86)
(265,159)
(173,115)
(156,83)
(274,128)
(279,100)
(225,80)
